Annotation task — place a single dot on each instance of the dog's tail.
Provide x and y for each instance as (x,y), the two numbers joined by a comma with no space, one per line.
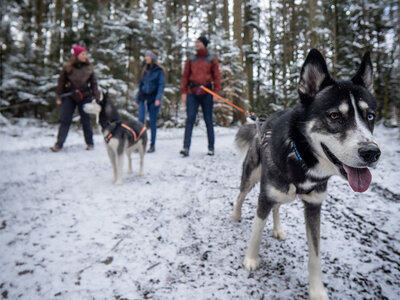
(245,136)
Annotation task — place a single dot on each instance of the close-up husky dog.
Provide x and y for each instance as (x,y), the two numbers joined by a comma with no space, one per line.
(119,137)
(296,151)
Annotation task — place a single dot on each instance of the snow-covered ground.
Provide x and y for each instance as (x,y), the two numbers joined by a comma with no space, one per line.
(66,232)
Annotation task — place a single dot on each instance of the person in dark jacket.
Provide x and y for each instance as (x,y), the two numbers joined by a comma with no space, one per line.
(77,85)
(151,89)
(200,69)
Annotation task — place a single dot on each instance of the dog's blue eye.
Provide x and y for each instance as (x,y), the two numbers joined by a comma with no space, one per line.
(370,117)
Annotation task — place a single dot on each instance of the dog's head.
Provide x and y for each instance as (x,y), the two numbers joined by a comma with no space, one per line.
(103,109)
(340,118)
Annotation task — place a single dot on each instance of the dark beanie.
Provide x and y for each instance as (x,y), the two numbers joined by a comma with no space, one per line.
(204,40)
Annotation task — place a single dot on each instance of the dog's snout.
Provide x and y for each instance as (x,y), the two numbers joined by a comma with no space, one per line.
(370,153)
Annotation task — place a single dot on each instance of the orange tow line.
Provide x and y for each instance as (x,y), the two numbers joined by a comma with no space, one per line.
(226,101)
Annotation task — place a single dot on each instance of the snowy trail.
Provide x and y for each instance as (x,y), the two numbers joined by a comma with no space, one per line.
(66,232)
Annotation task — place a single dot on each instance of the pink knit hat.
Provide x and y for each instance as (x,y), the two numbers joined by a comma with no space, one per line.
(78,49)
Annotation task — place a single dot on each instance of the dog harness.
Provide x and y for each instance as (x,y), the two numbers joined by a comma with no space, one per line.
(126,128)
(266,137)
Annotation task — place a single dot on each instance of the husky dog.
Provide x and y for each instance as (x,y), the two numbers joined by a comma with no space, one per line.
(296,151)
(119,137)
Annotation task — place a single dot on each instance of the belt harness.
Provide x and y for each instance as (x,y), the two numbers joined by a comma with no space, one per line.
(128,129)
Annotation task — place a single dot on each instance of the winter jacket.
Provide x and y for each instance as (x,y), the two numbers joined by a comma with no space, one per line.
(200,69)
(151,86)
(81,77)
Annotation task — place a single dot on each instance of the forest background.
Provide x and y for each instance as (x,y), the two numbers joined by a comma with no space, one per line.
(260,45)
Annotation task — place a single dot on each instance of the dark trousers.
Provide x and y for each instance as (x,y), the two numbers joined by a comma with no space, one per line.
(192,108)
(153,113)
(68,106)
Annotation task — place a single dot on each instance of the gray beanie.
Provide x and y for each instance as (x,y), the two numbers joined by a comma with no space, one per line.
(151,54)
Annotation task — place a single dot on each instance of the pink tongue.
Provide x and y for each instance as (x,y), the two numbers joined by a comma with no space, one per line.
(359,179)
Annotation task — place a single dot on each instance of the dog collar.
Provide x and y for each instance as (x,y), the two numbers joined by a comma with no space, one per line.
(297,152)
(301,160)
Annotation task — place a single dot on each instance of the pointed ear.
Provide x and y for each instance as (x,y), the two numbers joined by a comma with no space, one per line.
(314,76)
(364,76)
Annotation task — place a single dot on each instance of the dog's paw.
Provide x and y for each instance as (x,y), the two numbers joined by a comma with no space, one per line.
(251,264)
(318,294)
(236,216)
(130,171)
(279,234)
(118,182)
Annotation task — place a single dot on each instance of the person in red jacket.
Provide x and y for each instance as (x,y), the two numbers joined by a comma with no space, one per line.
(200,69)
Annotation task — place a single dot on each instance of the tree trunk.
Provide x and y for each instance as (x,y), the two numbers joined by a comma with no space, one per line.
(237,34)
(68,35)
(248,44)
(335,38)
(238,27)
(285,54)
(225,19)
(363,27)
(212,18)
(312,6)
(39,23)
(272,50)
(150,16)
(56,35)
(187,18)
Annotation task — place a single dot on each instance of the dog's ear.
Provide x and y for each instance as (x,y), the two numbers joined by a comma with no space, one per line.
(364,76)
(314,76)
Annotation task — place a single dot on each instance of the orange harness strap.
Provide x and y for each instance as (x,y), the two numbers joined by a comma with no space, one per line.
(130,130)
(141,132)
(136,137)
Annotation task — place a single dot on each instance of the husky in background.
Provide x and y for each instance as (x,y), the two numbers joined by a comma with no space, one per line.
(119,137)
(296,151)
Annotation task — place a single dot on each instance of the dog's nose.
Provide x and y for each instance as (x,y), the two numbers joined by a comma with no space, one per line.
(370,153)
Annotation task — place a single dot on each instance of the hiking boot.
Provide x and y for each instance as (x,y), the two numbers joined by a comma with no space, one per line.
(184,152)
(210,152)
(151,149)
(55,148)
(89,147)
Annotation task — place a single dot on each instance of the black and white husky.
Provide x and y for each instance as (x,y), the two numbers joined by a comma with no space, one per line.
(296,151)
(119,137)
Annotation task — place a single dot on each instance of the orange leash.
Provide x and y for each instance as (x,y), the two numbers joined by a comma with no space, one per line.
(226,101)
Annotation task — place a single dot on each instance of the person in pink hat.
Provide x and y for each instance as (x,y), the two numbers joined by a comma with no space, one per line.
(77,85)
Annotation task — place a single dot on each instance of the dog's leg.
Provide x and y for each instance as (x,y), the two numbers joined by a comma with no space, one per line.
(120,164)
(141,156)
(128,155)
(278,232)
(250,176)
(312,213)
(111,155)
(252,259)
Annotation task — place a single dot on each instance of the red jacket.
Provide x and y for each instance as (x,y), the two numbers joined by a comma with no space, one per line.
(201,68)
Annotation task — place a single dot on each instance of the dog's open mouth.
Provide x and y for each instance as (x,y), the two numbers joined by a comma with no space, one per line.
(359,178)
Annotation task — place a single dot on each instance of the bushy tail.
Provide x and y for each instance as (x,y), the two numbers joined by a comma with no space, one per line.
(244,137)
